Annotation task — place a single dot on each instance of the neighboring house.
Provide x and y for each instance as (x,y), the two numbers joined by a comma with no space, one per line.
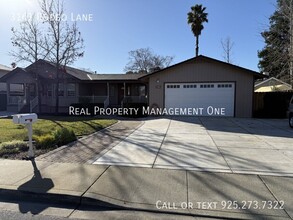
(271,85)
(199,82)
(3,90)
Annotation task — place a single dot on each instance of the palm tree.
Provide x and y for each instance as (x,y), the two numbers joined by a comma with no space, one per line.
(196,18)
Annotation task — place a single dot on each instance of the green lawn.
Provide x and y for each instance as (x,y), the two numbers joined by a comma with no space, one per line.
(46,125)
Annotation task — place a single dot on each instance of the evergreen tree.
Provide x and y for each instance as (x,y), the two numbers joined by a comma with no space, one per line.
(275,56)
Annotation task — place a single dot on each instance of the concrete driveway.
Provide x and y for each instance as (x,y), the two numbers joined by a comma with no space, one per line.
(208,144)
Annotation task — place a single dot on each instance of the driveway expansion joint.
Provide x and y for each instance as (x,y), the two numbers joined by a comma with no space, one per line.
(273,194)
(217,147)
(81,196)
(170,120)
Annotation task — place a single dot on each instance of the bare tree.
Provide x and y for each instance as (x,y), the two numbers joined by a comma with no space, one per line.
(29,46)
(65,44)
(145,60)
(28,41)
(227,46)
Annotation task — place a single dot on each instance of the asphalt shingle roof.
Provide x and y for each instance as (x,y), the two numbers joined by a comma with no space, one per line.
(85,75)
(2,67)
(4,70)
(130,76)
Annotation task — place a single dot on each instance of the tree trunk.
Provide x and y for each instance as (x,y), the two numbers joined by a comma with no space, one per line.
(196,48)
(38,92)
(291,44)
(57,91)
(38,87)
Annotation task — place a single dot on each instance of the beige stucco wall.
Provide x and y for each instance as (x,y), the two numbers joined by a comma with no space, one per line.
(205,71)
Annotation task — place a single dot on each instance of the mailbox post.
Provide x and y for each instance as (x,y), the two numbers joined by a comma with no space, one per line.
(27,120)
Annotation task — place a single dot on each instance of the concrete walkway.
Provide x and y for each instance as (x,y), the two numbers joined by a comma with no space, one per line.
(207,144)
(79,190)
(87,148)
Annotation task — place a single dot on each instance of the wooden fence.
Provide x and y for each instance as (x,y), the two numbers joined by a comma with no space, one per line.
(271,104)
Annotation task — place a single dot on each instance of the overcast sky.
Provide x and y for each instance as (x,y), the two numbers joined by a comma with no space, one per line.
(119,26)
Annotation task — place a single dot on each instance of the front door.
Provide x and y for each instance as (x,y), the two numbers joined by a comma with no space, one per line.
(3,102)
(120,93)
(116,94)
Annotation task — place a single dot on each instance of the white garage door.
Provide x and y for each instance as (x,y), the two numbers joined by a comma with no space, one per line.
(206,99)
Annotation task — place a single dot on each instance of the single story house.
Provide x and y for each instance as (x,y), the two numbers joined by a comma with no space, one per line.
(75,86)
(203,82)
(3,90)
(271,85)
(200,82)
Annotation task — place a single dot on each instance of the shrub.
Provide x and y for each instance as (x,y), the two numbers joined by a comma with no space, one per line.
(45,141)
(63,136)
(13,147)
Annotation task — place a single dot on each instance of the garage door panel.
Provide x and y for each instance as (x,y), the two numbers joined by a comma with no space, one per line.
(201,95)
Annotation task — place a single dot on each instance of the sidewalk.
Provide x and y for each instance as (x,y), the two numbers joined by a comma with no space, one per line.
(146,189)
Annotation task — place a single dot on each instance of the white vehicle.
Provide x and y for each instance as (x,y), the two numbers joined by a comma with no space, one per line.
(291,113)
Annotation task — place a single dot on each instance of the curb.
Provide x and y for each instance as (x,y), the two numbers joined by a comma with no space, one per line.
(66,200)
(21,195)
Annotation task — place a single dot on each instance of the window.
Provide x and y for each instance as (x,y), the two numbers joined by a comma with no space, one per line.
(224,85)
(141,90)
(16,89)
(128,90)
(208,86)
(32,90)
(190,86)
(71,89)
(61,89)
(112,90)
(173,86)
(2,87)
(49,90)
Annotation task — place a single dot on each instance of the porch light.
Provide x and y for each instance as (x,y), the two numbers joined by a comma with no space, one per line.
(158,80)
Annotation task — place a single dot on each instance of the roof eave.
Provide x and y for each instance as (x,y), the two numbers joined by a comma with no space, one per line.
(256,74)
